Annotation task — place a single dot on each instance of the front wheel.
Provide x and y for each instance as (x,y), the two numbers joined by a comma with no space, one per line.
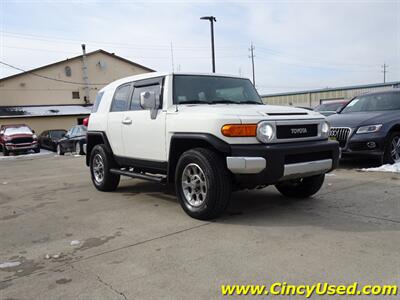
(60,151)
(36,150)
(302,187)
(203,183)
(5,151)
(78,149)
(100,164)
(392,149)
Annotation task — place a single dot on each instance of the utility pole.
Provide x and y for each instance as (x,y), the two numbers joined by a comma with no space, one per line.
(251,49)
(172,58)
(384,66)
(212,19)
(85,75)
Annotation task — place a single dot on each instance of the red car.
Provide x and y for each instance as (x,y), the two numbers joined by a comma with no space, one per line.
(17,138)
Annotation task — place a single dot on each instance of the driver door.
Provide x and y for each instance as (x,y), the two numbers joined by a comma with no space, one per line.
(143,137)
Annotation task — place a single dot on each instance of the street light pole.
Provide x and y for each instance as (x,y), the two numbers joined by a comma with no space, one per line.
(212,19)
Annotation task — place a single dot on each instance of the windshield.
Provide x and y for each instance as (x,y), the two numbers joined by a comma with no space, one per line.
(329,106)
(57,134)
(200,89)
(18,130)
(377,102)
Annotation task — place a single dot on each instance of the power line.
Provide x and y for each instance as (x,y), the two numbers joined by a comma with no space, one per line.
(49,78)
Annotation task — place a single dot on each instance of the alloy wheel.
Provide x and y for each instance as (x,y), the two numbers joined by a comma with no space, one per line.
(98,168)
(395,149)
(194,185)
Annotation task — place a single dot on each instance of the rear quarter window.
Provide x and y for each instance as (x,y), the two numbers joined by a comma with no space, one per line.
(97,102)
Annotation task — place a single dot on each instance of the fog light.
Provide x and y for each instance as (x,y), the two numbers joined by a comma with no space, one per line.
(371,145)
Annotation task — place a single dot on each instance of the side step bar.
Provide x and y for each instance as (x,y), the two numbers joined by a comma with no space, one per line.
(159,179)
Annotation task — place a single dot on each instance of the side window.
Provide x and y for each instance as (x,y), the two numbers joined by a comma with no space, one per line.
(135,103)
(121,98)
(96,104)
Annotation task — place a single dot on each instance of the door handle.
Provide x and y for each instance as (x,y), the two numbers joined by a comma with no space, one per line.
(127,121)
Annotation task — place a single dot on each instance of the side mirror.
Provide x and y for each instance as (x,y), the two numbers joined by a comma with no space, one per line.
(33,131)
(149,100)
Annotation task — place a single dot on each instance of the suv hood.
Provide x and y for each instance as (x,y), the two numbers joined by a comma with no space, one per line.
(359,118)
(249,110)
(18,135)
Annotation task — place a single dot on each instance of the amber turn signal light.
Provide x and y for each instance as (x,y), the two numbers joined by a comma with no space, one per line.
(239,130)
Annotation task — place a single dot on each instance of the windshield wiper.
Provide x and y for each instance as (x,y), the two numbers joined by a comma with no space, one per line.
(251,102)
(194,102)
(224,101)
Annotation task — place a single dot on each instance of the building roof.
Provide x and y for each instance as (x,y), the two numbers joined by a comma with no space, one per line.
(43,111)
(78,57)
(352,87)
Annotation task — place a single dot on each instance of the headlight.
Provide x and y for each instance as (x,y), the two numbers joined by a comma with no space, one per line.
(369,128)
(325,128)
(34,137)
(265,132)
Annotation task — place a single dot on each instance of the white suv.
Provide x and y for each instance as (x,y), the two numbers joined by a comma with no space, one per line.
(209,134)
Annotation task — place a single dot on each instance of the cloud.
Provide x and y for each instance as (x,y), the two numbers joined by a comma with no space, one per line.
(299,45)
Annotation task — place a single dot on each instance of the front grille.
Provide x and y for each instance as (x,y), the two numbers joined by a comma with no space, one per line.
(22,140)
(296,131)
(341,134)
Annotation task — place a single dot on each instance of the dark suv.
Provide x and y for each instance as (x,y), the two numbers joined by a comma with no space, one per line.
(17,138)
(369,125)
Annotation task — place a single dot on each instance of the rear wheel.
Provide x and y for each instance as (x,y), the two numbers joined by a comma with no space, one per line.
(203,183)
(301,188)
(392,149)
(100,164)
(60,151)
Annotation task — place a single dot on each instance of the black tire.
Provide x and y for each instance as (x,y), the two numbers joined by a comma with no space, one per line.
(217,181)
(301,188)
(59,149)
(387,156)
(109,181)
(37,150)
(80,150)
(5,151)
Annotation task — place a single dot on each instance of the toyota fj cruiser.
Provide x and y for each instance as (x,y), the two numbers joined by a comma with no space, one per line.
(208,134)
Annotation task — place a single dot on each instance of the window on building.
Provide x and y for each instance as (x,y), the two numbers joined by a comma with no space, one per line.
(67,70)
(75,95)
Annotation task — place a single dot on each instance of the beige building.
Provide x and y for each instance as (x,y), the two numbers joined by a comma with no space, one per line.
(59,95)
(313,98)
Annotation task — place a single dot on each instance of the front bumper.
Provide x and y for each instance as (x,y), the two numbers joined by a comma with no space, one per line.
(370,144)
(254,165)
(16,147)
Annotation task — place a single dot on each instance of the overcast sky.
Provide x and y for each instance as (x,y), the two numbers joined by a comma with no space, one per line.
(299,45)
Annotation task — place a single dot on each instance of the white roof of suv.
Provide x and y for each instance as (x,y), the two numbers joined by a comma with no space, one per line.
(160,74)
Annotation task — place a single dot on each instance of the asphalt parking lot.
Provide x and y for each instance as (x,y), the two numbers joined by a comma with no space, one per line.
(68,241)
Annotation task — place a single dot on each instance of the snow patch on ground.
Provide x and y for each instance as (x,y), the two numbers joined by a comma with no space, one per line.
(395,168)
(9,264)
(75,243)
(26,155)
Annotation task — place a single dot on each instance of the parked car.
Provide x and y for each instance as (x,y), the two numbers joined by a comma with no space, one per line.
(369,126)
(18,138)
(331,107)
(48,139)
(73,140)
(208,134)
